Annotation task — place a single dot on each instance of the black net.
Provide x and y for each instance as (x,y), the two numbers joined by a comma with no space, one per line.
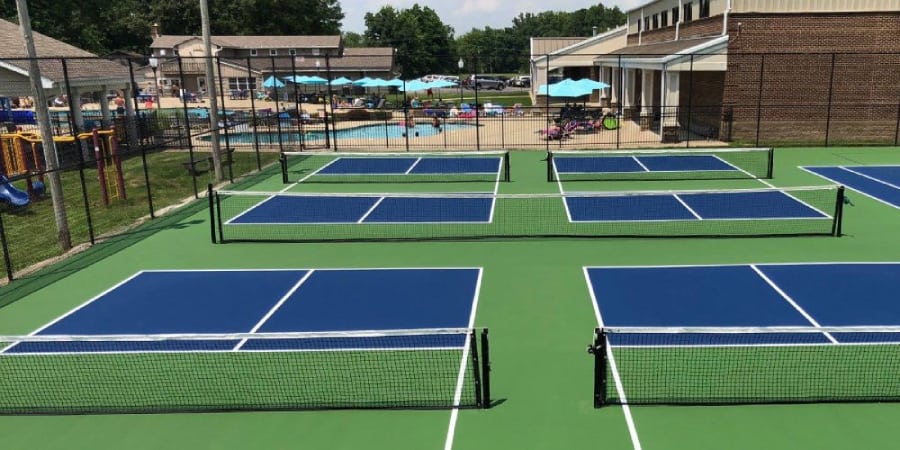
(720,366)
(661,164)
(284,371)
(440,167)
(310,217)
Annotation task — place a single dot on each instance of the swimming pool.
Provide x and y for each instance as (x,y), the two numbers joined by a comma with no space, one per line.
(376,131)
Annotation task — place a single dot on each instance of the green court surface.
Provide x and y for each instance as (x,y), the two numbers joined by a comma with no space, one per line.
(533,298)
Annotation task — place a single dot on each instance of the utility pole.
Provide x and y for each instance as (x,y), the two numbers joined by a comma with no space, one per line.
(211,91)
(43,120)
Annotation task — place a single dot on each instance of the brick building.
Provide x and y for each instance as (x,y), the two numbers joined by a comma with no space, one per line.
(767,71)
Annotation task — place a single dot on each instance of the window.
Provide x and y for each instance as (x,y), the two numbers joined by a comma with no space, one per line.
(646,23)
(253,52)
(674,15)
(664,19)
(639,26)
(688,12)
(162,52)
(273,52)
(655,21)
(292,52)
(704,9)
(241,83)
(315,52)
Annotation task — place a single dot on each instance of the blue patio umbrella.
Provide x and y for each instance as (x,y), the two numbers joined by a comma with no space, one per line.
(313,80)
(413,86)
(362,81)
(592,84)
(565,88)
(341,81)
(272,82)
(375,83)
(396,82)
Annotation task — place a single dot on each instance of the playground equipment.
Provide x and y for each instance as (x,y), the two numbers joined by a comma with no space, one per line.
(16,149)
(22,156)
(11,195)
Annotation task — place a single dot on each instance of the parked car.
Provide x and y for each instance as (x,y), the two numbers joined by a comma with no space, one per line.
(521,81)
(483,82)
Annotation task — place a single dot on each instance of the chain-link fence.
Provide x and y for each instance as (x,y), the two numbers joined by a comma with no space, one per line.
(155,125)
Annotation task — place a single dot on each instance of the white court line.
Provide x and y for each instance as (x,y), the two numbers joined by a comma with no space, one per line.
(311,174)
(378,202)
(727,164)
(460,381)
(274,308)
(640,164)
(791,301)
(413,166)
(562,193)
(877,180)
(691,210)
(813,263)
(848,186)
(77,308)
(620,389)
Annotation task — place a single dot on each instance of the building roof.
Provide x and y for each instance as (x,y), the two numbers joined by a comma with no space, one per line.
(253,42)
(544,45)
(662,48)
(81,65)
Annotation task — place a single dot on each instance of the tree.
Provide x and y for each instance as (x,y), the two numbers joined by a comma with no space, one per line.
(422,40)
(352,39)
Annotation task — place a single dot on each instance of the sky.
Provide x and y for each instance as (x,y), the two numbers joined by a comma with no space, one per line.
(463,15)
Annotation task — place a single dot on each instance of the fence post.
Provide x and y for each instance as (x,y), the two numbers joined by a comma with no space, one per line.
(330,96)
(225,122)
(277,103)
(690,112)
(7,262)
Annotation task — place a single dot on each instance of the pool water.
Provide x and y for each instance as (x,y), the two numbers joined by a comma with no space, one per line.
(376,131)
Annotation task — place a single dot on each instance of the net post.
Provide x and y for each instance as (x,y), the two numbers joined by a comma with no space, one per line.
(219,217)
(473,349)
(598,349)
(485,370)
(212,212)
(506,165)
(838,213)
(550,166)
(771,163)
(284,173)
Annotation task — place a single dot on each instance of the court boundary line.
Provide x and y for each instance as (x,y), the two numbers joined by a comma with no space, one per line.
(646,169)
(77,308)
(620,389)
(766,345)
(562,193)
(690,210)
(275,308)
(374,205)
(461,378)
(413,165)
(667,266)
(185,352)
(807,169)
(875,179)
(792,302)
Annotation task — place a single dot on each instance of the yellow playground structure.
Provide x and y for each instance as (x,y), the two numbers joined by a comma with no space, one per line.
(22,156)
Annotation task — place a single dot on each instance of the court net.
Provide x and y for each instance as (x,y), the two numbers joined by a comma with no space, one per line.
(435,368)
(660,164)
(443,167)
(721,366)
(312,217)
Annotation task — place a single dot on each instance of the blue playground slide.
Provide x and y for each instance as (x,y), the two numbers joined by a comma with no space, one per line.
(12,195)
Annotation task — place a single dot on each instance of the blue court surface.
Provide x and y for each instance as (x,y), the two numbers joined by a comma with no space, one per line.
(689,206)
(760,295)
(881,183)
(311,209)
(651,163)
(269,301)
(411,166)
